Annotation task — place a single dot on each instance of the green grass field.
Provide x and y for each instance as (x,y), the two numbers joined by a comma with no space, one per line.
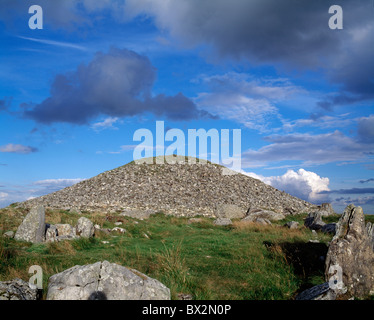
(242,261)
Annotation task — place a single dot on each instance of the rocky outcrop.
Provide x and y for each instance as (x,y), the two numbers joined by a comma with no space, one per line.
(32,228)
(17,289)
(105,281)
(326,209)
(350,257)
(177,189)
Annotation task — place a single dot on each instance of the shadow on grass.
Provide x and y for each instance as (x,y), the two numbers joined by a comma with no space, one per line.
(307,260)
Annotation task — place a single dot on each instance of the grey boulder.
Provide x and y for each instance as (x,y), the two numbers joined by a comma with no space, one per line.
(105,281)
(32,228)
(222,222)
(230,211)
(85,228)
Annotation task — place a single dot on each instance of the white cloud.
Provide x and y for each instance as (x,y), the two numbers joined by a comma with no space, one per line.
(57,183)
(3,196)
(105,124)
(303,184)
(245,99)
(17,148)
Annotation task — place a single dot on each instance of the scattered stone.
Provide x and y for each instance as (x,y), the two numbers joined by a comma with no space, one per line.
(184,296)
(230,211)
(8,234)
(85,228)
(139,190)
(105,281)
(222,222)
(118,223)
(97,227)
(319,292)
(351,255)
(314,221)
(32,228)
(17,289)
(292,225)
(118,229)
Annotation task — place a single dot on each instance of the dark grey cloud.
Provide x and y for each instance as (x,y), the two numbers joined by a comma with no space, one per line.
(308,148)
(287,33)
(366,129)
(350,191)
(116,84)
(368,180)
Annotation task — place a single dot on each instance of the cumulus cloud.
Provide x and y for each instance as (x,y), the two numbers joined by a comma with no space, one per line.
(105,124)
(115,84)
(306,185)
(17,148)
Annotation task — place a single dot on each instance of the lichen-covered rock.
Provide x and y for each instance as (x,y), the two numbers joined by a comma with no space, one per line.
(17,289)
(8,234)
(105,281)
(32,228)
(85,228)
(66,230)
(229,211)
(292,225)
(51,233)
(270,215)
(350,255)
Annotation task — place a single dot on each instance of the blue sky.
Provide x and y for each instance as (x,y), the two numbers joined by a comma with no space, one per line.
(73,93)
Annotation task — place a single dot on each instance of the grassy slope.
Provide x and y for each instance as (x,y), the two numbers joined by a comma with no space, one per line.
(243,261)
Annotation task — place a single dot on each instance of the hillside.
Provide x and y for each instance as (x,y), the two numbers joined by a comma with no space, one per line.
(178,189)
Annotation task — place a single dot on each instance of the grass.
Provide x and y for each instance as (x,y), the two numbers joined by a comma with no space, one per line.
(242,261)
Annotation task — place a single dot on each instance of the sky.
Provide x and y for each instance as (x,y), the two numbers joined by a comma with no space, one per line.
(73,94)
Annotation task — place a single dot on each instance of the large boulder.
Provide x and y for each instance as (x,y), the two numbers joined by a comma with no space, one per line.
(17,289)
(105,281)
(326,209)
(222,222)
(85,228)
(270,215)
(32,228)
(229,211)
(350,258)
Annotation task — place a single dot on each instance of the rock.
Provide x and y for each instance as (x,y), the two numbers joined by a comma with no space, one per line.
(222,222)
(265,214)
(292,225)
(195,220)
(17,289)
(258,220)
(370,231)
(66,230)
(184,296)
(118,223)
(8,234)
(329,228)
(314,221)
(85,228)
(326,209)
(105,281)
(319,292)
(118,229)
(97,227)
(230,211)
(137,213)
(51,233)
(350,256)
(32,228)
